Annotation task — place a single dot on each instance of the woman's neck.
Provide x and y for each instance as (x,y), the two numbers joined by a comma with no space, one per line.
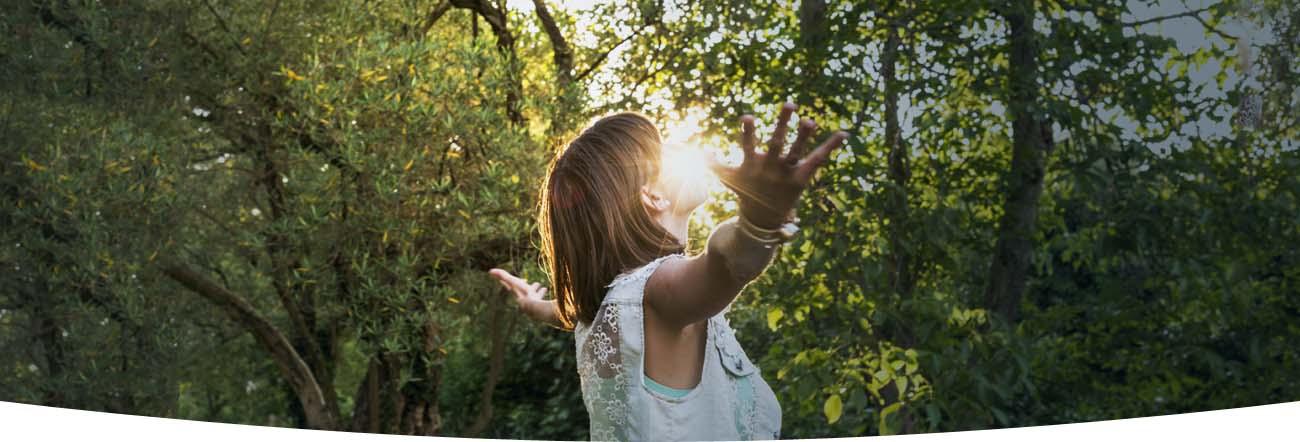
(676,224)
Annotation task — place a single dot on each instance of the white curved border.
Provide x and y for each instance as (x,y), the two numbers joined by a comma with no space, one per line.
(21,422)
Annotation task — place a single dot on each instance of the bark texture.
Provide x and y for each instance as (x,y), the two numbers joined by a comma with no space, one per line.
(1031,145)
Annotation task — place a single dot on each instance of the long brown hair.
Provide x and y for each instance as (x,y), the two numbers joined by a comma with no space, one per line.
(593,223)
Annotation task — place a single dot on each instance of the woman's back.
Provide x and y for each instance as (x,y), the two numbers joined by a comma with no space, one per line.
(731,401)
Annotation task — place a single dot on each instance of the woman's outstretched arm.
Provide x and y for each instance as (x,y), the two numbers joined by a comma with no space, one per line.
(529,298)
(768,186)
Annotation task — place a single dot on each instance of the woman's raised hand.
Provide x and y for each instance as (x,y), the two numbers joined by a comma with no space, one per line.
(768,184)
(524,292)
(529,297)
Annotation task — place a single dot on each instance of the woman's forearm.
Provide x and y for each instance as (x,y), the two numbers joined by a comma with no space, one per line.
(690,290)
(542,311)
(743,257)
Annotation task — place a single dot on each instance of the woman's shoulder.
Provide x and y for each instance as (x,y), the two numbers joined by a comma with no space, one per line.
(629,285)
(640,274)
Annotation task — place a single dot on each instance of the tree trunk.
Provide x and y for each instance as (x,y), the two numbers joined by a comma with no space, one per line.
(501,326)
(1031,145)
(900,277)
(46,329)
(562,54)
(813,39)
(386,405)
(900,274)
(304,334)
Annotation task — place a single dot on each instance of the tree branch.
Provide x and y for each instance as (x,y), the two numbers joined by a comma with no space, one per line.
(560,47)
(495,16)
(292,366)
(1194,13)
(1215,30)
(600,59)
(221,21)
(434,15)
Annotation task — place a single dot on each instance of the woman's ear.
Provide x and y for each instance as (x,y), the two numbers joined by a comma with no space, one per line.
(654,201)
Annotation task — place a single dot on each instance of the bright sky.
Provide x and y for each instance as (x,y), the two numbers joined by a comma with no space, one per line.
(684,131)
(687,146)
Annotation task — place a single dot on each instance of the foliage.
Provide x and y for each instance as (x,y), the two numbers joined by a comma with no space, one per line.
(1047,214)
(879,319)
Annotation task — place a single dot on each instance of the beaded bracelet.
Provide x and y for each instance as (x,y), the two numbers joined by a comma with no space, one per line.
(781,234)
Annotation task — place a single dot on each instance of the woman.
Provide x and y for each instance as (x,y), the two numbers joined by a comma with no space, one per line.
(656,356)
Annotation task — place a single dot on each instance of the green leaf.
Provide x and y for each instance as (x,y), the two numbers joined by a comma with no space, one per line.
(774,317)
(833,408)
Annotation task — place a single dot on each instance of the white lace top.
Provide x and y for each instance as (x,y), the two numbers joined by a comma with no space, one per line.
(731,402)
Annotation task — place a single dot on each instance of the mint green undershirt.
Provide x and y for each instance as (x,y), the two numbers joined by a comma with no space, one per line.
(675,393)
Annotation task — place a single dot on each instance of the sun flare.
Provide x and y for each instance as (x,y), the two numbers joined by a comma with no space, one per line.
(687,166)
(687,149)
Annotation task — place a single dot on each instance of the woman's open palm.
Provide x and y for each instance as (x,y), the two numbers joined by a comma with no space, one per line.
(523,290)
(768,184)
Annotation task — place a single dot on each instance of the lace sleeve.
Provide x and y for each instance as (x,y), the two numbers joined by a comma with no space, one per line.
(601,348)
(604,346)
(602,375)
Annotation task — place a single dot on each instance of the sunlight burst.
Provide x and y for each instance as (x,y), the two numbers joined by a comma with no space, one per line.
(687,149)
